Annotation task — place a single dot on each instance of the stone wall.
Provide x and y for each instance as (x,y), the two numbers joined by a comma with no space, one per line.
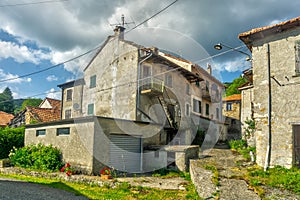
(285,99)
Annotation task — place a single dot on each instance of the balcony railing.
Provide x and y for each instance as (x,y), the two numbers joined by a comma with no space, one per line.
(152,85)
(206,94)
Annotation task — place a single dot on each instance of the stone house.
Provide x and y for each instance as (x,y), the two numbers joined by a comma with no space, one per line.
(5,118)
(276,92)
(232,113)
(48,110)
(131,102)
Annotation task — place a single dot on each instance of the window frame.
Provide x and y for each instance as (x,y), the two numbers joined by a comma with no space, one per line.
(169,80)
(93,81)
(207,107)
(69,95)
(228,106)
(91,106)
(69,114)
(197,102)
(37,132)
(60,131)
(187,110)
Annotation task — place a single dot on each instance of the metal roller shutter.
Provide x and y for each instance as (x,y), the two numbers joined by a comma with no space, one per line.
(125,153)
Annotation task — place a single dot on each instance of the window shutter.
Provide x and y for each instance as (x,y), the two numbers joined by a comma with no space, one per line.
(297,56)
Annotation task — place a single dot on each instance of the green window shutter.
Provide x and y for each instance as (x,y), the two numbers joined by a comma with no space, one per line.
(90,109)
(93,81)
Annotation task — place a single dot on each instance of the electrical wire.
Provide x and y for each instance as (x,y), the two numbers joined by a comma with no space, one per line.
(31,3)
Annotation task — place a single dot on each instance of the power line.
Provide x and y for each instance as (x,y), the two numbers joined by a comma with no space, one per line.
(162,10)
(54,66)
(51,67)
(32,3)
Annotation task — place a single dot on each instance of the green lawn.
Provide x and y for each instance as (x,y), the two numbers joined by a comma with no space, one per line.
(123,191)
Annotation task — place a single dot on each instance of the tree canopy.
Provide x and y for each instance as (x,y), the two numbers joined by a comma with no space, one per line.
(6,101)
(233,87)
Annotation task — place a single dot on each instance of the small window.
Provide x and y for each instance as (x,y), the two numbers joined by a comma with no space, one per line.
(41,132)
(63,131)
(147,71)
(207,86)
(187,88)
(207,109)
(68,114)
(217,113)
(197,83)
(168,80)
(297,57)
(228,106)
(90,109)
(187,109)
(69,94)
(93,81)
(197,106)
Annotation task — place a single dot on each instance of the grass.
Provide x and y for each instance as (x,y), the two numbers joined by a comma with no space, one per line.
(122,191)
(279,177)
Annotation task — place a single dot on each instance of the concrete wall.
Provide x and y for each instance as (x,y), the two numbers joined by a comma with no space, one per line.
(76,148)
(285,99)
(115,67)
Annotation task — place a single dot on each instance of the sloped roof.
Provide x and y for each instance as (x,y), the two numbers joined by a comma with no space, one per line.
(234,97)
(248,36)
(5,118)
(44,114)
(55,103)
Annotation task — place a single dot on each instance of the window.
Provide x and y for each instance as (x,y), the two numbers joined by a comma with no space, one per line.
(90,109)
(217,113)
(228,106)
(146,71)
(207,86)
(93,81)
(69,94)
(63,131)
(168,80)
(197,106)
(187,88)
(68,114)
(187,109)
(41,132)
(297,57)
(207,109)
(197,83)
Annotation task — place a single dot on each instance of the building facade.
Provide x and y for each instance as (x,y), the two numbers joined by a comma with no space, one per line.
(137,101)
(276,92)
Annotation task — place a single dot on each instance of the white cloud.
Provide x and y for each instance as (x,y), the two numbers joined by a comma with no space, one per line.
(52,78)
(54,94)
(20,53)
(238,64)
(14,77)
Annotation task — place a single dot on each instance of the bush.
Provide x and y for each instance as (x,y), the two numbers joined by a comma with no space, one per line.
(237,144)
(9,138)
(40,157)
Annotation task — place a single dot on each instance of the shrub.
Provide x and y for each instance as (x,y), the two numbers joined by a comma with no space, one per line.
(9,138)
(40,157)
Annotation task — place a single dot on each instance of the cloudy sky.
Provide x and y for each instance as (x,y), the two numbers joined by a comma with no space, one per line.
(37,34)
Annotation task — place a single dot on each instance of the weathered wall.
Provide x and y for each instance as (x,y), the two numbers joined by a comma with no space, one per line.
(285,99)
(235,112)
(246,113)
(76,148)
(115,68)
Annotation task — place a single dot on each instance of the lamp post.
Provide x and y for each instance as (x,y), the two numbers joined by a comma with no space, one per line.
(221,45)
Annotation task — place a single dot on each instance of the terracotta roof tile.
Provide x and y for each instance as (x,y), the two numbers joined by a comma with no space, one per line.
(256,30)
(5,118)
(54,102)
(45,114)
(235,97)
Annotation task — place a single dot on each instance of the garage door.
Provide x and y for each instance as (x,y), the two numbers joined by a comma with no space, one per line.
(125,153)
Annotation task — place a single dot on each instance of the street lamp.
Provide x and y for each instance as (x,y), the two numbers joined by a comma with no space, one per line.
(220,46)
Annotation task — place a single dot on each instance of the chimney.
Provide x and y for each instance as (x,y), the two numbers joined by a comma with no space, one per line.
(209,70)
(119,32)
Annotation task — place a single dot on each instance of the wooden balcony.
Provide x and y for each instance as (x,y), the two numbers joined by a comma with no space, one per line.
(152,86)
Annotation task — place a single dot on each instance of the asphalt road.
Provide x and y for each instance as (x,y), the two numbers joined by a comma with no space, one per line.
(19,190)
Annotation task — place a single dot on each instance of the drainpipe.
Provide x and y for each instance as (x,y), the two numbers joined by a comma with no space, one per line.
(268,153)
(138,80)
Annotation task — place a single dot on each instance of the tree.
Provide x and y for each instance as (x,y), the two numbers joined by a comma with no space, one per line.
(233,87)
(6,101)
(31,102)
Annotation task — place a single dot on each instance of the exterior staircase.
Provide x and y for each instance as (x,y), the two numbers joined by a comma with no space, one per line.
(166,110)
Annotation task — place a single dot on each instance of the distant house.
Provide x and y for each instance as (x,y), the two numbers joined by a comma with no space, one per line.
(132,102)
(5,118)
(276,92)
(232,113)
(48,110)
